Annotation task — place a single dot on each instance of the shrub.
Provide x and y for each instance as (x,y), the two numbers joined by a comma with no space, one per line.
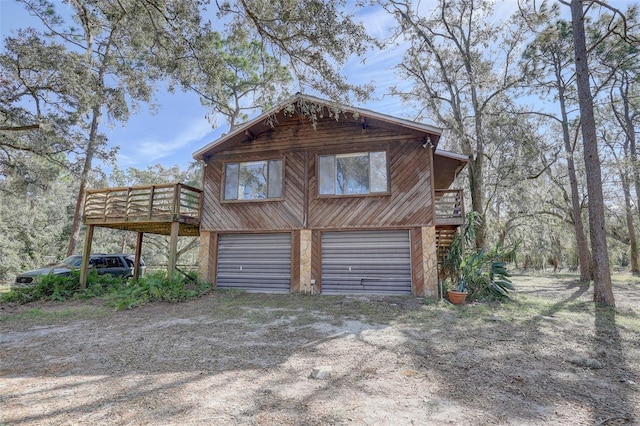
(156,287)
(118,293)
(481,273)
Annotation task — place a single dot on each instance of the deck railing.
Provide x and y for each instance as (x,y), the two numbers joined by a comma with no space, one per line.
(449,207)
(167,202)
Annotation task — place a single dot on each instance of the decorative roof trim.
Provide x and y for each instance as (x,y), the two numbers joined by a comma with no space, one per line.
(199,154)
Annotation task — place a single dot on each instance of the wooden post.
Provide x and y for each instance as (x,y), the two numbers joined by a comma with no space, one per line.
(305,261)
(151,195)
(176,202)
(429,262)
(173,249)
(86,254)
(138,255)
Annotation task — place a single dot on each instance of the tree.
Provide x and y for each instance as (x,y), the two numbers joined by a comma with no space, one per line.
(120,42)
(314,38)
(618,144)
(34,218)
(248,78)
(602,291)
(618,66)
(37,116)
(548,66)
(451,62)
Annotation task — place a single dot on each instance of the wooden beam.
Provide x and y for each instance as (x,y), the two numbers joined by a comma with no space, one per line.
(138,256)
(173,249)
(86,255)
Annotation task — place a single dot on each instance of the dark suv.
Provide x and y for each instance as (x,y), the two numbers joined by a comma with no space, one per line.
(114,264)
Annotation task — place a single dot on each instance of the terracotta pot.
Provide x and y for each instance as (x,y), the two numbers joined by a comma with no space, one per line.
(457,297)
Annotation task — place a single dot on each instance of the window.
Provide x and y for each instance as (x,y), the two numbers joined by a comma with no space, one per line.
(253,180)
(347,174)
(113,262)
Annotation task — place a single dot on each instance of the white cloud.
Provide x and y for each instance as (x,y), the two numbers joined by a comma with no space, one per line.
(174,148)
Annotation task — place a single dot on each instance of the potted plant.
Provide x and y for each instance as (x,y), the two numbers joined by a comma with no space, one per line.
(478,273)
(453,260)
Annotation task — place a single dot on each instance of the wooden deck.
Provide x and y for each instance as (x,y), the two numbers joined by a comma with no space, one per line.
(148,209)
(449,216)
(449,207)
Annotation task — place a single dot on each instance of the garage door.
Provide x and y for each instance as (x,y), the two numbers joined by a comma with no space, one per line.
(366,262)
(259,263)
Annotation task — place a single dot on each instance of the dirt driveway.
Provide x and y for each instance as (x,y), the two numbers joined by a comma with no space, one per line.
(232,358)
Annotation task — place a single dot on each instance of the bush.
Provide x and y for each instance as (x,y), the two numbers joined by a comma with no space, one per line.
(118,293)
(46,287)
(156,287)
(481,273)
(484,276)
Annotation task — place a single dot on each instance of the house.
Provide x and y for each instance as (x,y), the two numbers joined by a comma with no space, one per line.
(313,197)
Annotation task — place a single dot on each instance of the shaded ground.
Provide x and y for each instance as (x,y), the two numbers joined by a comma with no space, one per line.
(549,357)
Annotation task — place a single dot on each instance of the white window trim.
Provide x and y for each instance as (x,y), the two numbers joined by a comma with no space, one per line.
(242,200)
(335,174)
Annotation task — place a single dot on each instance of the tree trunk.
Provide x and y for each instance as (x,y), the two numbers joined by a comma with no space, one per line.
(602,291)
(84,178)
(584,257)
(630,145)
(477,198)
(633,242)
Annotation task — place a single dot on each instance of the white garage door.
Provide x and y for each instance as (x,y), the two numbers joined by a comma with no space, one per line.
(366,262)
(259,263)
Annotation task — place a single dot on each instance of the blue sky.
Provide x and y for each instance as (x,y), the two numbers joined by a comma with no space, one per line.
(179,126)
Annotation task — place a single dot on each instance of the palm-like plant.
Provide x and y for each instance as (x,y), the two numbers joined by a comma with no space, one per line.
(480,273)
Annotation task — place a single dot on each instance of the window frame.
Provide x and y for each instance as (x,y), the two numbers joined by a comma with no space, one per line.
(346,153)
(253,200)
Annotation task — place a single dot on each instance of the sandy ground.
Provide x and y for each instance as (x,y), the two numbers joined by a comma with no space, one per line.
(233,358)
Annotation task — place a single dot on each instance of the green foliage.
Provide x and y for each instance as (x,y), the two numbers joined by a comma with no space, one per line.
(46,287)
(156,287)
(484,276)
(235,76)
(118,293)
(482,273)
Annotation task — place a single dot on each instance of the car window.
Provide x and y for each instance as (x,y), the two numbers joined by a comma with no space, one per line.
(98,262)
(131,261)
(114,262)
(72,261)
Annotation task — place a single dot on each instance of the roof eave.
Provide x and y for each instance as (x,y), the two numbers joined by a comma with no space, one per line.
(420,127)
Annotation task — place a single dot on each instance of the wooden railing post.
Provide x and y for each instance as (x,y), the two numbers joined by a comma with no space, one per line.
(127,205)
(151,196)
(176,201)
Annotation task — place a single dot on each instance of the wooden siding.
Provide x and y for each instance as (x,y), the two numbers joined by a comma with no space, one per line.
(409,203)
(213,258)
(264,215)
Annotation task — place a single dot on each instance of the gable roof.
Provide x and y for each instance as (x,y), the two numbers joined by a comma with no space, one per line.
(268,120)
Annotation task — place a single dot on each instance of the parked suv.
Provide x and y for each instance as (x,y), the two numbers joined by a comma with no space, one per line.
(114,264)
